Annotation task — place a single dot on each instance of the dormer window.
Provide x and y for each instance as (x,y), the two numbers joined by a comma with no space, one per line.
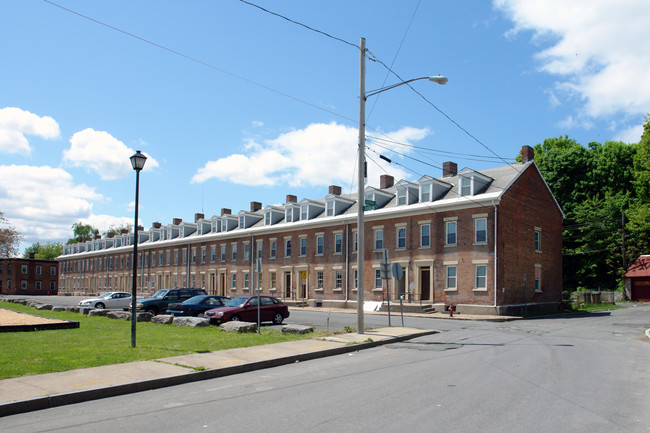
(401,196)
(425,192)
(304,212)
(267,219)
(241,222)
(465,186)
(472,182)
(288,215)
(330,208)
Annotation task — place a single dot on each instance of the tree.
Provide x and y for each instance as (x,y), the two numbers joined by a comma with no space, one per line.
(49,251)
(118,230)
(9,238)
(642,164)
(82,233)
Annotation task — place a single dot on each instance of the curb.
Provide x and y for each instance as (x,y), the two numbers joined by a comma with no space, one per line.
(50,401)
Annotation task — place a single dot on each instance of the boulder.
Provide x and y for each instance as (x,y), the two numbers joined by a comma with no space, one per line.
(85,310)
(192,322)
(96,312)
(297,329)
(44,307)
(162,319)
(143,317)
(58,308)
(239,327)
(74,309)
(123,315)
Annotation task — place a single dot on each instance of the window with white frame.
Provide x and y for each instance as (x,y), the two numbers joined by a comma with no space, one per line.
(338,279)
(481,277)
(538,278)
(52,271)
(465,186)
(425,235)
(233,248)
(401,237)
(246,280)
(451,277)
(378,280)
(38,285)
(203,254)
(304,213)
(338,243)
(260,249)
(303,246)
(288,215)
(176,257)
(273,246)
(247,251)
(23,285)
(329,211)
(223,253)
(480,230)
(213,255)
(287,248)
(451,232)
(233,280)
(538,240)
(319,280)
(23,269)
(267,218)
(425,192)
(39,270)
(320,246)
(272,279)
(401,196)
(379,239)
(355,247)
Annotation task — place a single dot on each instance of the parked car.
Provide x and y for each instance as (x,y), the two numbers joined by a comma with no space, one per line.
(197,305)
(162,298)
(244,308)
(108,300)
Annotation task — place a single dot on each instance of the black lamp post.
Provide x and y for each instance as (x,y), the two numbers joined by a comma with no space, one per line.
(137,161)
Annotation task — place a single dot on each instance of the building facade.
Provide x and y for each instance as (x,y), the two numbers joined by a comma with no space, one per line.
(485,242)
(19,276)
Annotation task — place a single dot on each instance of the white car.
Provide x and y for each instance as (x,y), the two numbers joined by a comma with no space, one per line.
(109,300)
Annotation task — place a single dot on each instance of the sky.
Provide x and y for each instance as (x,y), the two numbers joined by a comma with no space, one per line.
(233,104)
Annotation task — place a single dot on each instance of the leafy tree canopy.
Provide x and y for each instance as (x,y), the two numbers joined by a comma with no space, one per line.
(49,251)
(82,232)
(9,238)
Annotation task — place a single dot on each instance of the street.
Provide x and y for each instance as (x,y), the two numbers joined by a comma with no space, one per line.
(566,374)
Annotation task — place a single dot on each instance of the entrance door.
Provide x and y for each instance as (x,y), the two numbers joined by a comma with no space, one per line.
(425,284)
(221,288)
(303,284)
(287,284)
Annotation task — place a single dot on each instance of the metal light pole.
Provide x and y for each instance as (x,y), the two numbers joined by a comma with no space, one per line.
(363,96)
(137,161)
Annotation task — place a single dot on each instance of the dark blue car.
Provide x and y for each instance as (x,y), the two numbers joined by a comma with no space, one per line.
(197,305)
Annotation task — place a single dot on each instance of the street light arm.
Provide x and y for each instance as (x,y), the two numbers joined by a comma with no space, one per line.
(440,79)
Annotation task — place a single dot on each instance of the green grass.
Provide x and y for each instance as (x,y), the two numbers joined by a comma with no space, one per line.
(593,307)
(102,341)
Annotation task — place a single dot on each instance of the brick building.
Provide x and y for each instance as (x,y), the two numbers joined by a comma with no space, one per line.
(19,276)
(485,242)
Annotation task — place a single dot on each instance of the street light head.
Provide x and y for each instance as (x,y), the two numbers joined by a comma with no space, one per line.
(138,160)
(440,79)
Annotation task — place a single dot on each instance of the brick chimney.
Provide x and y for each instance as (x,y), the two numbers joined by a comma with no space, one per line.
(198,216)
(177,221)
(98,236)
(110,235)
(156,225)
(292,198)
(255,206)
(124,231)
(225,211)
(386,181)
(449,169)
(527,154)
(335,190)
(140,228)
(31,256)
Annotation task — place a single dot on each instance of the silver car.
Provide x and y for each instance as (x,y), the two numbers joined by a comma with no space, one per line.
(109,300)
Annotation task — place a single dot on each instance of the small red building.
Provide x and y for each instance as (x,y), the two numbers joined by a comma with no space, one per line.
(19,276)
(637,280)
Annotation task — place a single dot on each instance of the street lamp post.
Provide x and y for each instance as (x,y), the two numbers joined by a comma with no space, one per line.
(363,96)
(137,161)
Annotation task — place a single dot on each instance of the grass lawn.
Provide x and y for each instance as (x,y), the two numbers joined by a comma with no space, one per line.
(102,341)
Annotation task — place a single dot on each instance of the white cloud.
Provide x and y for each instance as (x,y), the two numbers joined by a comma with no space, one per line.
(16,123)
(43,202)
(630,135)
(101,152)
(597,47)
(320,154)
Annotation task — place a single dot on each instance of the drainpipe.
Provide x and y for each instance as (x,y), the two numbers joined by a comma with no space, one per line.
(189,264)
(495,256)
(347,262)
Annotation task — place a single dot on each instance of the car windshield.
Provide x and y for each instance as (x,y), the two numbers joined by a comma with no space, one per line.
(237,302)
(105,295)
(194,300)
(160,294)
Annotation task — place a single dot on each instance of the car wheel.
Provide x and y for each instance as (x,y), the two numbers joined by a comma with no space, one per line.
(277,319)
(235,318)
(99,306)
(152,310)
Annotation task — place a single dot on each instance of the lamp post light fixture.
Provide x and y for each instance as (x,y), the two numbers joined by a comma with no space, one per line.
(363,96)
(137,161)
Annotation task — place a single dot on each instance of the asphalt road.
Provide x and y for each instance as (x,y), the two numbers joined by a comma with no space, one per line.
(565,374)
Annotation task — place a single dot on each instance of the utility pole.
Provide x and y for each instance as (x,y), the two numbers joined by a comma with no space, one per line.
(361,184)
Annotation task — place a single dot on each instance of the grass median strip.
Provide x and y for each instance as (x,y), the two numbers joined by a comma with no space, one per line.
(102,341)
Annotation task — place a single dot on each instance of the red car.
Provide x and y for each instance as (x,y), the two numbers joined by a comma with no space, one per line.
(244,308)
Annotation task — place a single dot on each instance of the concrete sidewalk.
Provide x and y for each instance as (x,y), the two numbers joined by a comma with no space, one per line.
(29,393)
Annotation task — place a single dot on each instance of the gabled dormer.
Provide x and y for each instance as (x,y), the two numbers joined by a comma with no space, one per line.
(127,239)
(407,193)
(203,227)
(291,212)
(186,229)
(376,198)
(142,236)
(229,222)
(471,182)
(310,209)
(336,205)
(215,222)
(432,189)
(273,215)
(247,219)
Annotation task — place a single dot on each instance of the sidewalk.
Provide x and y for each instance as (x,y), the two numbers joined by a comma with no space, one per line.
(29,393)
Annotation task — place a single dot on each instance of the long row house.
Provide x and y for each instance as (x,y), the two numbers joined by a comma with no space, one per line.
(481,241)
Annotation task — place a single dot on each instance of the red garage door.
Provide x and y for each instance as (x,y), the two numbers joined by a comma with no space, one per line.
(641,289)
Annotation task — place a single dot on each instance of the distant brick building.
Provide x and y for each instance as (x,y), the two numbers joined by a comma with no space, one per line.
(637,280)
(19,276)
(485,242)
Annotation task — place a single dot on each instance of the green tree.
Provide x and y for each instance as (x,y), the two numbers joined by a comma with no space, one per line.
(9,238)
(82,232)
(118,230)
(49,251)
(642,165)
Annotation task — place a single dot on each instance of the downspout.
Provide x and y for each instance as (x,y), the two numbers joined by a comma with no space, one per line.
(496,257)
(189,265)
(347,263)
(251,257)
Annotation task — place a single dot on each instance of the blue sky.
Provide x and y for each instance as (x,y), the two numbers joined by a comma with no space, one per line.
(233,104)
